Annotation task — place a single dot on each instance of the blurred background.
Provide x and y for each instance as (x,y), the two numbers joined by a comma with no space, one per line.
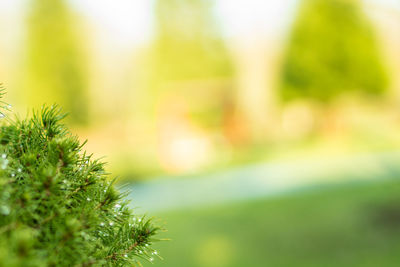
(263,133)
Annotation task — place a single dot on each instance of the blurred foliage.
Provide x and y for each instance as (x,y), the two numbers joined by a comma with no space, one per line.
(184,89)
(55,65)
(353,225)
(332,50)
(188,45)
(189,78)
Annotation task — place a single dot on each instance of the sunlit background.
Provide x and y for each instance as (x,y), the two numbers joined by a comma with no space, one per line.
(263,133)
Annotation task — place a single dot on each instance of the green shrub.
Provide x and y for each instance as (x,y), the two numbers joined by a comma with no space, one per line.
(57,207)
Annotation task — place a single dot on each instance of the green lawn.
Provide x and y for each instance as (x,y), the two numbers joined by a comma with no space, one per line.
(352,225)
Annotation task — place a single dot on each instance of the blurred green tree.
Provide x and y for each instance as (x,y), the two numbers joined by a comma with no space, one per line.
(332,50)
(188,44)
(54,61)
(190,58)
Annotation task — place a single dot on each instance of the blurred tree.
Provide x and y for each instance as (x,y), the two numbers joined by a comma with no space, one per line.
(191,76)
(188,45)
(55,65)
(332,50)
(191,65)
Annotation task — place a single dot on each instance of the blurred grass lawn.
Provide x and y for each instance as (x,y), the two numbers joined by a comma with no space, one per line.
(352,225)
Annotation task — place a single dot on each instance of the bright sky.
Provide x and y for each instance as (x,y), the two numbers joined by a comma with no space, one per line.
(246,16)
(125,20)
(130,21)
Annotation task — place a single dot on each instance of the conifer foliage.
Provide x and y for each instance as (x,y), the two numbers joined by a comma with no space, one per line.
(57,207)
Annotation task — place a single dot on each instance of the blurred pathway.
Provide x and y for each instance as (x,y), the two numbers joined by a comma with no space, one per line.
(261,180)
